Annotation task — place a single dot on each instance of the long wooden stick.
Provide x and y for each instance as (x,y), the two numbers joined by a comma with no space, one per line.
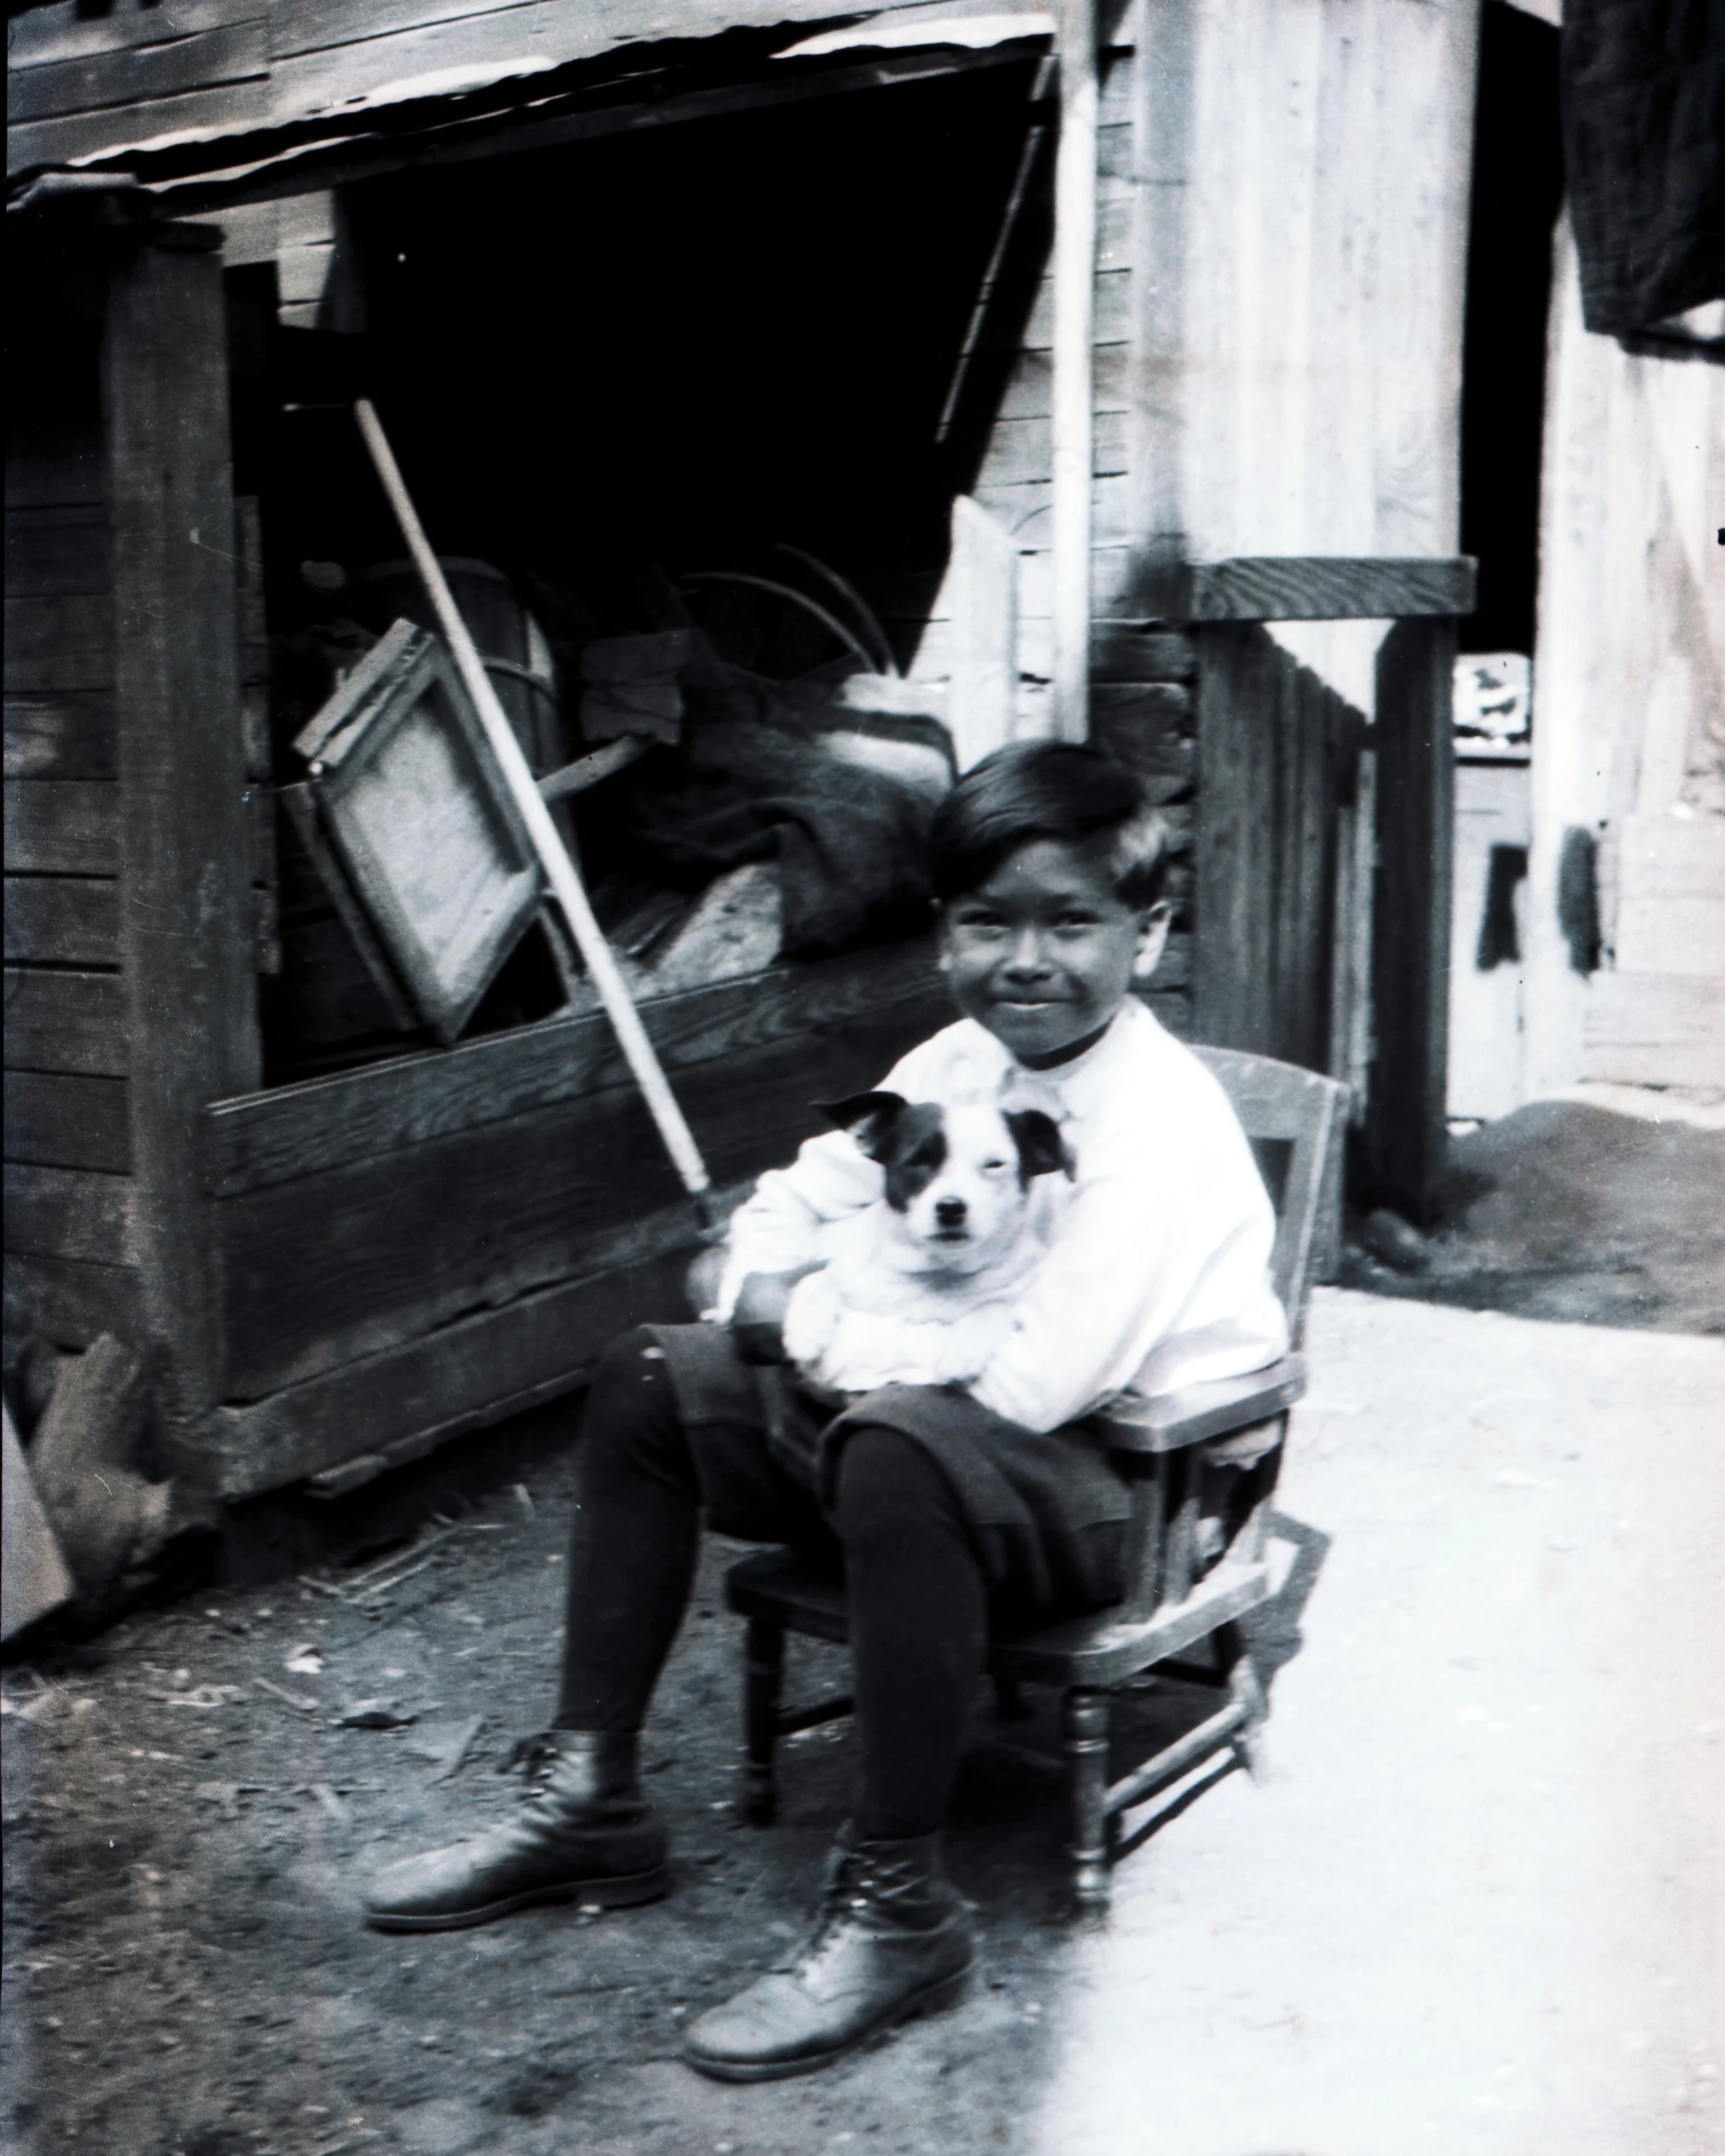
(553,855)
(1074,251)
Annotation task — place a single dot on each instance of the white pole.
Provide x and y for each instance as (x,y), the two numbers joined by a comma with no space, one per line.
(1073,308)
(553,855)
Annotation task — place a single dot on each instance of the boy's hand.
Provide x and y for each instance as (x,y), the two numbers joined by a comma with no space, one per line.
(757,1322)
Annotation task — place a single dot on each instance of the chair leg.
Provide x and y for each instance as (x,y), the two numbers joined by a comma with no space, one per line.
(1247,1689)
(1085,1719)
(765,1653)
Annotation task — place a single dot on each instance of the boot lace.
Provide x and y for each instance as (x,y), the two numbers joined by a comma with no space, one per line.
(534,1757)
(858,1884)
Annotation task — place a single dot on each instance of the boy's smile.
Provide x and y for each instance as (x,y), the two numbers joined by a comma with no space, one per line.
(1042,953)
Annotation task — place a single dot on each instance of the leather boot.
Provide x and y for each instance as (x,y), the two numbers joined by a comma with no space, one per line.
(893,1941)
(585,1834)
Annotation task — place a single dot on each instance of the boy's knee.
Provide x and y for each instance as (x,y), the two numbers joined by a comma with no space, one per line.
(632,1403)
(885,1479)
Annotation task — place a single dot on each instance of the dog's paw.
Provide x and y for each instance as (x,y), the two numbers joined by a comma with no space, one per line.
(967,1344)
(811,1317)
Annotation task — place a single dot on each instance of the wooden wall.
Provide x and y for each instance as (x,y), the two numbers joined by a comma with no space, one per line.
(71,1199)
(1628,713)
(130,929)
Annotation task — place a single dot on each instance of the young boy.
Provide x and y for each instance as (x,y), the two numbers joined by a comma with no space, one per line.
(944,1503)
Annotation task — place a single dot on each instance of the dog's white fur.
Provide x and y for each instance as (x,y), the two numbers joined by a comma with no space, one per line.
(898,1299)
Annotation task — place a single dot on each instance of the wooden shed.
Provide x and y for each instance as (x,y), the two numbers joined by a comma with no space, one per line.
(622,270)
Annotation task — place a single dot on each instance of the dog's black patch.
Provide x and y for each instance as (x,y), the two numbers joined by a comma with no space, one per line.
(917,1154)
(1041,1149)
(908,1140)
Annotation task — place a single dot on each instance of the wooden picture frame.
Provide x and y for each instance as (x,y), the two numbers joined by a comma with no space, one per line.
(431,848)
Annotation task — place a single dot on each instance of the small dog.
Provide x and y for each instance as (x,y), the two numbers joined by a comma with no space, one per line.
(944,1249)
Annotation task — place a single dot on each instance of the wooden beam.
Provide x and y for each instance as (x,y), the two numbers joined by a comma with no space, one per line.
(1327,587)
(1075,259)
(322,1123)
(1407,1130)
(185,914)
(399,1403)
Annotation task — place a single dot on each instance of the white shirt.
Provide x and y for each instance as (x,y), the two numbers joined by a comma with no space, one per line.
(1158,1267)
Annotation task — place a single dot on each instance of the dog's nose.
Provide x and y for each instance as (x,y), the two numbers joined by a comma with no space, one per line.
(949,1212)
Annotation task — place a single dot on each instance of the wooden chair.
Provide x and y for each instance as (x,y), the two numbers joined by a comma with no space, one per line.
(1199,1554)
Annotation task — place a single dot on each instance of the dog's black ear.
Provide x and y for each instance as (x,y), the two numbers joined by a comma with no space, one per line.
(871,1118)
(1041,1149)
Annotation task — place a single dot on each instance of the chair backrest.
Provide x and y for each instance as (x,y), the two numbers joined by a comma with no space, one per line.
(1294,1120)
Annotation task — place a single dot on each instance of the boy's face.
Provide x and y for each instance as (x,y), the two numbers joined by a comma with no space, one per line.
(1042,953)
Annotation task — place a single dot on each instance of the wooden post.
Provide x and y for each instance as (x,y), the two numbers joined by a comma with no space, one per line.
(1075,254)
(1406,1129)
(187,925)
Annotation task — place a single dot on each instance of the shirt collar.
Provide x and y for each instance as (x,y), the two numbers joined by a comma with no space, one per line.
(1071,1089)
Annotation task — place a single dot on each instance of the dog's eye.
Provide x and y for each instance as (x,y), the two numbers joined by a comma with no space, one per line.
(995,1167)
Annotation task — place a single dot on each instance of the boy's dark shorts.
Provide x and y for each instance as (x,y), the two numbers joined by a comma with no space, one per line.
(1047,1512)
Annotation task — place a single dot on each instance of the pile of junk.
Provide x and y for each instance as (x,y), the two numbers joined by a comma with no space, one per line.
(737,765)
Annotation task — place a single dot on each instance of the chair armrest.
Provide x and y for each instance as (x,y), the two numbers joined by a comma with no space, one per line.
(1170,1420)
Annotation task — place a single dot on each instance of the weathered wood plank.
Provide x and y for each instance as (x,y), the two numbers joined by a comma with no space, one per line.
(71,30)
(420,1394)
(187,921)
(50,551)
(62,921)
(1676,935)
(69,736)
(71,1302)
(1661,858)
(59,642)
(66,1212)
(314,25)
(1407,1132)
(1029,390)
(139,75)
(359,1115)
(33,143)
(61,827)
(1026,510)
(1022,449)
(1124,651)
(56,1121)
(1319,588)
(1654,1030)
(1276,748)
(1112,321)
(379,1250)
(66,1021)
(1238,705)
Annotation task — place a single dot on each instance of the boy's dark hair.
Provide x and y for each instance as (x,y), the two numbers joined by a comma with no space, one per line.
(1044,790)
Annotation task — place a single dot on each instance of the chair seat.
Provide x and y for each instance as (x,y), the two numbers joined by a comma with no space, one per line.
(1102,1649)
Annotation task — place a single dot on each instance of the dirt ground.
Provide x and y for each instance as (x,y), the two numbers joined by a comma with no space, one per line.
(1577,1211)
(1471,1908)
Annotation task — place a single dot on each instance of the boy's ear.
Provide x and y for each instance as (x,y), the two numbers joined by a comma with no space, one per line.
(871,1118)
(1041,1149)
(1153,939)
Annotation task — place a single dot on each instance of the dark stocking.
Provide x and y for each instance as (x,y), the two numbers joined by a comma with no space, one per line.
(632,1551)
(919,1626)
